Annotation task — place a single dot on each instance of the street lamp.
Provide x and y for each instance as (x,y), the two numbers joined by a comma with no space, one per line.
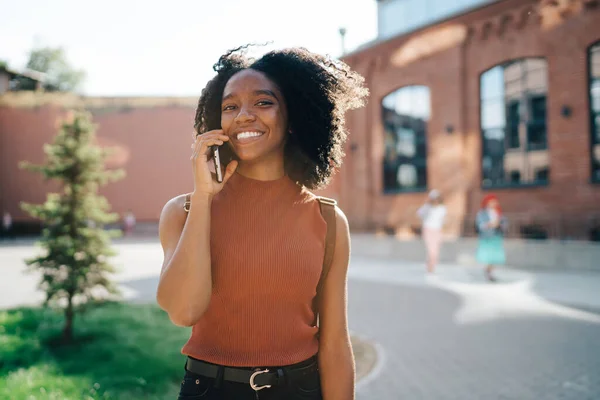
(343,36)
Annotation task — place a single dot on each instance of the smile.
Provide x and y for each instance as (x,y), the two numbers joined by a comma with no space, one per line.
(243,137)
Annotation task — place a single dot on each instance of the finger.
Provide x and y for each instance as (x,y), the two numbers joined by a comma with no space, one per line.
(208,136)
(206,144)
(211,167)
(196,148)
(202,147)
(195,142)
(231,167)
(214,132)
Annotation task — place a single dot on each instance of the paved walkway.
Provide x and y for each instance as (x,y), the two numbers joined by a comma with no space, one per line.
(451,336)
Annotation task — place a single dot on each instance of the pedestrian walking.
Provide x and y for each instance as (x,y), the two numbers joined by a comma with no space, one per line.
(432,214)
(128,223)
(491,226)
(7,226)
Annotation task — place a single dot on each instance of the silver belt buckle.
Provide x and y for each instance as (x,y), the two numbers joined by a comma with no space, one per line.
(254,375)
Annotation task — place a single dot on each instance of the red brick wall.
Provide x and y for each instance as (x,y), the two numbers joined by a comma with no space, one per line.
(22,135)
(153,146)
(494,34)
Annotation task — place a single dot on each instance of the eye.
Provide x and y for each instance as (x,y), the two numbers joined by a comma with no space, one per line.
(264,103)
(228,107)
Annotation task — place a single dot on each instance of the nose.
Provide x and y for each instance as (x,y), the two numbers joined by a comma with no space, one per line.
(244,115)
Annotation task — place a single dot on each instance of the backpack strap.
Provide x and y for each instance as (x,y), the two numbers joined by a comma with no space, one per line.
(188,202)
(328,212)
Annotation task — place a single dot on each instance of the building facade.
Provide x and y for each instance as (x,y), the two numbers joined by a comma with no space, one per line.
(503,98)
(150,139)
(499,97)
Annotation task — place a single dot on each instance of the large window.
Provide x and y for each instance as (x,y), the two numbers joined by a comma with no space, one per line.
(405,115)
(595,110)
(513,123)
(395,17)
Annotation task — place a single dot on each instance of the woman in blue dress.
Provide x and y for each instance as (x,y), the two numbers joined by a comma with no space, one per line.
(491,225)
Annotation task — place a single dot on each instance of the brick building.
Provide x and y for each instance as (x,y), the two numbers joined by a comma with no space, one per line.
(150,136)
(469,97)
(499,96)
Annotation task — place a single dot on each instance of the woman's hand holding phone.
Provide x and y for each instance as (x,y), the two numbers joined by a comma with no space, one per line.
(204,182)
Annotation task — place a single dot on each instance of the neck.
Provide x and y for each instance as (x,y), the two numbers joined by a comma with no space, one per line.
(263,170)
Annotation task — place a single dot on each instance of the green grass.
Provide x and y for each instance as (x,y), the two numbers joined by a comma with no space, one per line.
(120,351)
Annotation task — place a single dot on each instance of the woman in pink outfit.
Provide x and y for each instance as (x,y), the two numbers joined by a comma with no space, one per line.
(433,214)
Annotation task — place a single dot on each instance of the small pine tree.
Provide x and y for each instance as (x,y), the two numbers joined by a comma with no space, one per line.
(77,246)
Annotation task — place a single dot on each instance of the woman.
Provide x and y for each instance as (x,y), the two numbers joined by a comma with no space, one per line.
(432,213)
(242,267)
(128,222)
(491,226)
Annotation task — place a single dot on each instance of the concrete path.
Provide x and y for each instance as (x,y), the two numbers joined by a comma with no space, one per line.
(448,336)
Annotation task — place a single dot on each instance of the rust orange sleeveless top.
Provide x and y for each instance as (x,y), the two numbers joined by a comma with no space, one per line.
(267,249)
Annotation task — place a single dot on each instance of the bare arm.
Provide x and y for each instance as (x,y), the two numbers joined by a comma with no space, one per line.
(336,360)
(185,284)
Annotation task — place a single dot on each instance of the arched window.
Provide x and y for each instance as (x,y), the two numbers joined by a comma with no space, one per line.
(405,116)
(594,57)
(513,123)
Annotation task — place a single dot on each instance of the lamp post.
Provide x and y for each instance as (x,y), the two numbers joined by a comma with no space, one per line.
(343,37)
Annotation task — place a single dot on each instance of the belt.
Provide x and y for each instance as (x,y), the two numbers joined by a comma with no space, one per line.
(258,378)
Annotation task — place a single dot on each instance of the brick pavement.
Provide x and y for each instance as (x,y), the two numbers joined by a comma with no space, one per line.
(428,356)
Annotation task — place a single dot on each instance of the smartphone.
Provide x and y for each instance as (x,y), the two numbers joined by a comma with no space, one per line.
(217,162)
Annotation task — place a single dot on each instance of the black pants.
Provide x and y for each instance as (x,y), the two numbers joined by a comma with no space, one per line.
(198,387)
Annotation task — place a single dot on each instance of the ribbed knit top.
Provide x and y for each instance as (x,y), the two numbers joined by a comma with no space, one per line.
(267,247)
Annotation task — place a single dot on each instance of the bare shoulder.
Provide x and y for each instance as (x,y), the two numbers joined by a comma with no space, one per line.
(342,228)
(172,218)
(174,208)
(341,253)
(340,218)
(341,221)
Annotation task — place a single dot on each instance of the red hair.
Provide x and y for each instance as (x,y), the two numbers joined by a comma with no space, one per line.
(486,200)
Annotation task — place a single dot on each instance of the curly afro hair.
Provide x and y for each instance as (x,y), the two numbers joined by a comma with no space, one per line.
(318,91)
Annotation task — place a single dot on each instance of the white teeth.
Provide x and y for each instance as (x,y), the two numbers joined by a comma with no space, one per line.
(245,135)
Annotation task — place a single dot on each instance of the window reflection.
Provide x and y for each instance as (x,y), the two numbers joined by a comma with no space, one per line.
(513,123)
(594,58)
(400,16)
(405,115)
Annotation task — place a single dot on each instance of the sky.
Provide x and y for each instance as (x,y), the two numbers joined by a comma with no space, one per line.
(167,48)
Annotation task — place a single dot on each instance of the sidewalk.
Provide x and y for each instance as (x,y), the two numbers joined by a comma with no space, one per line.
(530,255)
(577,289)
(450,333)
(139,261)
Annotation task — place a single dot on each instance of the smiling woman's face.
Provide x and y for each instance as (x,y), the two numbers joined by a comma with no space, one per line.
(254,116)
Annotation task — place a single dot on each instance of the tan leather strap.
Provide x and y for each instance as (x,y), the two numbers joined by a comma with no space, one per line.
(188,202)
(328,212)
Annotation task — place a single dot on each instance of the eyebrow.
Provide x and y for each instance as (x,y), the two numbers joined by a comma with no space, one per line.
(256,93)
